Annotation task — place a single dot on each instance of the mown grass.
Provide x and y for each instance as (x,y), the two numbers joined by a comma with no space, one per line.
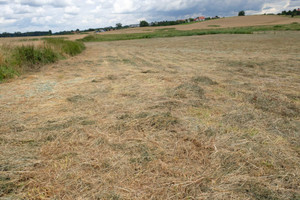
(172,32)
(15,60)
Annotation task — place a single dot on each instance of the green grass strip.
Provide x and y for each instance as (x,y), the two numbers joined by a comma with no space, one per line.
(172,32)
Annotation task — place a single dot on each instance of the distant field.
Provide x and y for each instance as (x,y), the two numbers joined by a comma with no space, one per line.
(36,40)
(172,32)
(229,22)
(199,117)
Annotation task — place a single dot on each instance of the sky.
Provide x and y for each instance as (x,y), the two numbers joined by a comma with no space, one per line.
(60,15)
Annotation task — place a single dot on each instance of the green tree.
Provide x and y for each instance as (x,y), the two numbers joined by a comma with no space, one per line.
(144,23)
(118,25)
(241,13)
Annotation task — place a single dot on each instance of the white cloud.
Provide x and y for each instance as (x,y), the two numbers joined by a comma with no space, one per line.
(59,15)
(41,20)
(73,10)
(7,21)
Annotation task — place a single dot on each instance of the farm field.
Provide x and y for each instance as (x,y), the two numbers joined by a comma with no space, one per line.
(200,117)
(228,22)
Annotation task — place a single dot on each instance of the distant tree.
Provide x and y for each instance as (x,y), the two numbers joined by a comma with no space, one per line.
(144,23)
(241,13)
(50,32)
(118,25)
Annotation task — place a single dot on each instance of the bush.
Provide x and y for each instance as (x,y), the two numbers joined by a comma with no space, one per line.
(241,13)
(143,23)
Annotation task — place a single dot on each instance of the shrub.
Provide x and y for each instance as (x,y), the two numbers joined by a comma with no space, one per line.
(144,23)
(241,13)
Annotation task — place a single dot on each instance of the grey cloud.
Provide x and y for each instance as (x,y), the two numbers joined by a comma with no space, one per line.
(25,15)
(3,2)
(38,3)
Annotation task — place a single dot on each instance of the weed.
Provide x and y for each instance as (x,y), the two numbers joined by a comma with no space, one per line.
(7,72)
(20,59)
(30,56)
(71,48)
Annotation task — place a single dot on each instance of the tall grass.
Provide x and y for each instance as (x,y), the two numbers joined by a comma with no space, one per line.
(71,48)
(19,59)
(172,32)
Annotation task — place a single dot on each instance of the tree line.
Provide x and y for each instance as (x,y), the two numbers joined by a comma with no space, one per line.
(292,13)
(170,23)
(19,34)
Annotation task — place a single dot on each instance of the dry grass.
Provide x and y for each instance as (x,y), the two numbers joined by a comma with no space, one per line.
(202,117)
(229,22)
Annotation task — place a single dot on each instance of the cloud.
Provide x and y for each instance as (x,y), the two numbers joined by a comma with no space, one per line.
(7,21)
(41,20)
(3,2)
(38,3)
(72,10)
(59,15)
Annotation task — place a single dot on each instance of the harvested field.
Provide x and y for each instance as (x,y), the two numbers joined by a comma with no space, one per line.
(200,117)
(36,40)
(228,22)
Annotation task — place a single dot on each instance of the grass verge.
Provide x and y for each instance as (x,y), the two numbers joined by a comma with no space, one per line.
(15,60)
(172,32)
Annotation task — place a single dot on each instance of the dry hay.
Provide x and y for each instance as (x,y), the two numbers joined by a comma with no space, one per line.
(97,126)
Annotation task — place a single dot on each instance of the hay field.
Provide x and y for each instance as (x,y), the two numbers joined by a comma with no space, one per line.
(228,22)
(36,40)
(201,117)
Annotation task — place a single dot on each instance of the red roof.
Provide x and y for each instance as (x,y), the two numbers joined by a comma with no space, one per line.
(202,17)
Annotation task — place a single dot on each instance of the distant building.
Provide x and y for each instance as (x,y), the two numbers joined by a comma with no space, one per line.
(199,19)
(298,9)
(134,25)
